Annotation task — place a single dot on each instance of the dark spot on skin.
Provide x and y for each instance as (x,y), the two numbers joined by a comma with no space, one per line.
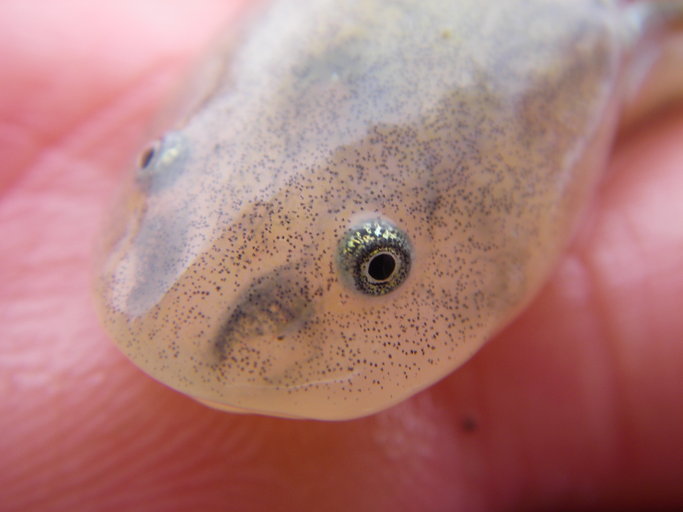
(469,425)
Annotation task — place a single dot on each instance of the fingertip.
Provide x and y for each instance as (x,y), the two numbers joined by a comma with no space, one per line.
(634,254)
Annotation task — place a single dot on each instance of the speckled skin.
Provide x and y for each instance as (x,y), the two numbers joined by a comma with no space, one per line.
(476,126)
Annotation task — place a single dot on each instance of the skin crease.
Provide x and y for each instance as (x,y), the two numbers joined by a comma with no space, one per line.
(575,406)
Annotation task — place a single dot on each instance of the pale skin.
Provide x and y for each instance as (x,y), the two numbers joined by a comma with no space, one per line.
(221,277)
(575,405)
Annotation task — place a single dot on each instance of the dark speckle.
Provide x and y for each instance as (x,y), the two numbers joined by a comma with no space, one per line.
(469,424)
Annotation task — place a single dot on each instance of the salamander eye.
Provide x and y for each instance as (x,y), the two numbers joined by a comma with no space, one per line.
(374,257)
(162,162)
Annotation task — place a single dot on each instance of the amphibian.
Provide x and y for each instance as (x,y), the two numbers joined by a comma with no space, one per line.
(371,191)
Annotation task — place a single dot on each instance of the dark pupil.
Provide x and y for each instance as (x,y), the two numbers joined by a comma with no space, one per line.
(381,267)
(146,157)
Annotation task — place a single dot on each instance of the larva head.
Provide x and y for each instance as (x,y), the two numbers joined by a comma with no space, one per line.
(375,189)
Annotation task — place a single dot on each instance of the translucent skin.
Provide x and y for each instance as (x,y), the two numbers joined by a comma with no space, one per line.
(478,128)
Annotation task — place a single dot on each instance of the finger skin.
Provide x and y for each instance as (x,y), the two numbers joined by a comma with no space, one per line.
(577,405)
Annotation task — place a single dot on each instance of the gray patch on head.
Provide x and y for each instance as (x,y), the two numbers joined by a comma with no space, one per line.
(275,305)
(157,247)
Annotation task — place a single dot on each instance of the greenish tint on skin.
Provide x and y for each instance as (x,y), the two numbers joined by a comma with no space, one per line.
(477,128)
